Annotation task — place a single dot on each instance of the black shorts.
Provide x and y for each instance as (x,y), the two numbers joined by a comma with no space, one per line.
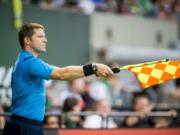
(22,126)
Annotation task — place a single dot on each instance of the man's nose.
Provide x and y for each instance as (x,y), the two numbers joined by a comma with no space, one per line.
(45,40)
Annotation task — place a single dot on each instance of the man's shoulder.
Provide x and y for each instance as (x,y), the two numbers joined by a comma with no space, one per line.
(24,56)
(27,58)
(30,60)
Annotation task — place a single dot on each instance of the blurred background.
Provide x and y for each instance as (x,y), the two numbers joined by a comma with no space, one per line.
(114,32)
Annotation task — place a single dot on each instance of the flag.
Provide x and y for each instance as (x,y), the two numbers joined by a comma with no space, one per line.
(18,11)
(156,72)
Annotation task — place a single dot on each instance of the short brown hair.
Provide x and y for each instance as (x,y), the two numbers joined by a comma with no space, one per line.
(140,96)
(69,104)
(27,30)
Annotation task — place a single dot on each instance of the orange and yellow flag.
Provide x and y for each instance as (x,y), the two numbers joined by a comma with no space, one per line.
(156,72)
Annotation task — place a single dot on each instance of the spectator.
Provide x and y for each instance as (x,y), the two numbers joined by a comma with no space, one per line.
(52,102)
(165,121)
(88,100)
(112,6)
(51,122)
(36,2)
(96,121)
(101,5)
(176,10)
(99,91)
(75,88)
(145,7)
(163,9)
(48,4)
(123,7)
(129,7)
(162,122)
(142,106)
(87,6)
(71,105)
(72,5)
(172,95)
(114,89)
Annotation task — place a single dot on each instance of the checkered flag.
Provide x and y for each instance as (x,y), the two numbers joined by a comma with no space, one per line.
(156,73)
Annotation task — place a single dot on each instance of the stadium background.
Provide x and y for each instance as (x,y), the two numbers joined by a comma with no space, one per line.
(77,38)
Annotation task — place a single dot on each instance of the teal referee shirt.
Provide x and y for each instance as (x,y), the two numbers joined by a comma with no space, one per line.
(28,86)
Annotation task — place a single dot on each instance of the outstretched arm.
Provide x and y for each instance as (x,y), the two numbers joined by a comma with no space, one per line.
(74,72)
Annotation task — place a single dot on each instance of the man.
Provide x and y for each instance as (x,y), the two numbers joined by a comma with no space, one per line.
(142,105)
(29,73)
(75,88)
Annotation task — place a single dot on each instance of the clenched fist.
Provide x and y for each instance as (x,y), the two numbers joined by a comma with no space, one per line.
(104,71)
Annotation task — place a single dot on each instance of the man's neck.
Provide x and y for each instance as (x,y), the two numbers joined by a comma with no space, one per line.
(32,51)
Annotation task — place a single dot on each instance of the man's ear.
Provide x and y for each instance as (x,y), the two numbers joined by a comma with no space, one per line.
(26,40)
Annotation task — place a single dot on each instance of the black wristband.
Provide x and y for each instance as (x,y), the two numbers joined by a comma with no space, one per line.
(88,69)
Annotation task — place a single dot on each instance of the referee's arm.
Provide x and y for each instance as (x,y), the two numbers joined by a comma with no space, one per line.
(75,72)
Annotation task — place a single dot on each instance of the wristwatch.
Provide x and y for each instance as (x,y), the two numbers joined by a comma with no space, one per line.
(94,67)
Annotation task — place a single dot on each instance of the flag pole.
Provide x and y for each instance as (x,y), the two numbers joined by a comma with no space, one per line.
(142,64)
(118,69)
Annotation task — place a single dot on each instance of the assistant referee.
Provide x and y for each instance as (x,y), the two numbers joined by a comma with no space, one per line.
(28,81)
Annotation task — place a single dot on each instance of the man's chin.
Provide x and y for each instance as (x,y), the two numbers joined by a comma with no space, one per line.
(42,51)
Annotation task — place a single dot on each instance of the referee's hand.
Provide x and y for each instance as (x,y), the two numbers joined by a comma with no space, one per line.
(104,71)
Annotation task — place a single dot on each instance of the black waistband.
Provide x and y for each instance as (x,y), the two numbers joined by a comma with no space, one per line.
(27,120)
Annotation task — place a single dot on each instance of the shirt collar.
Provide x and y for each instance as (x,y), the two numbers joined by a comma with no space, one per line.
(26,54)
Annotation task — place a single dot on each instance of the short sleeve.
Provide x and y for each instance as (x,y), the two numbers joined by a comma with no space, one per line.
(38,68)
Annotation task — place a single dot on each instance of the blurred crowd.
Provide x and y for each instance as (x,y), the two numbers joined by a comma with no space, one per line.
(95,103)
(103,97)
(160,9)
(156,107)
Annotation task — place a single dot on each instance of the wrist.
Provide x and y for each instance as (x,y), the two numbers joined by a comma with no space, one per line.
(94,66)
(90,69)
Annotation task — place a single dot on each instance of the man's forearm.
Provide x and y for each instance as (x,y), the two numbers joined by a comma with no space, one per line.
(75,72)
(67,73)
